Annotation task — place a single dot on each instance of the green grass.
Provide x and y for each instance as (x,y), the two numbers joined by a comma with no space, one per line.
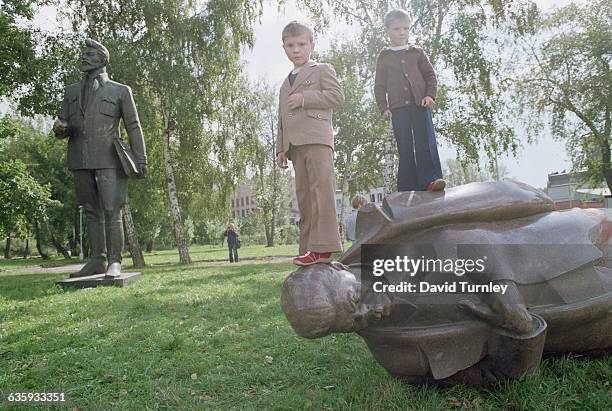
(217,253)
(19,262)
(197,337)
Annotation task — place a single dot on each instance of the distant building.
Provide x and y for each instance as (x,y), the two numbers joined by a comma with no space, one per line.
(567,191)
(243,201)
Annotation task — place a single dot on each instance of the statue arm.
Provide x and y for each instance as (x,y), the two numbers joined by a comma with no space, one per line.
(131,122)
(61,126)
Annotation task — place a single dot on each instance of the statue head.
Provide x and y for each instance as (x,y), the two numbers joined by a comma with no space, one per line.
(95,56)
(322,299)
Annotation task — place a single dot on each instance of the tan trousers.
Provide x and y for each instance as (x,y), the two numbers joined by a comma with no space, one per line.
(315,187)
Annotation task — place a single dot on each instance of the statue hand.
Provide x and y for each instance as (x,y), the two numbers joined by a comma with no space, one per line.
(60,128)
(143,170)
(367,315)
(381,311)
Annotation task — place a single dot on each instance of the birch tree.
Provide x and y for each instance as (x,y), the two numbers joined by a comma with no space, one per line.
(566,80)
(271,182)
(178,56)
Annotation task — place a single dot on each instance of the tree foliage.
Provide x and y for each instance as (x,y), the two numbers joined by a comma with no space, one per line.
(22,198)
(181,59)
(567,81)
(270,183)
(34,65)
(45,159)
(360,137)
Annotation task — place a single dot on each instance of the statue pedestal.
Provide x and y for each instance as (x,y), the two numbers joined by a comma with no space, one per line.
(98,280)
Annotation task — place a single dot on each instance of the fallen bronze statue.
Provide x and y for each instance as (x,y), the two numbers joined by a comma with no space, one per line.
(554,267)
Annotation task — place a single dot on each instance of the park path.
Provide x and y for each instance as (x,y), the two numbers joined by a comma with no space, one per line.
(30,269)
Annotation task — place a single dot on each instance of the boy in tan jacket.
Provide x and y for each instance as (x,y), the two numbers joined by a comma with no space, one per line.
(306,137)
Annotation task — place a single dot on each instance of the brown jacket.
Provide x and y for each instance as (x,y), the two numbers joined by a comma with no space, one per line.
(312,123)
(400,72)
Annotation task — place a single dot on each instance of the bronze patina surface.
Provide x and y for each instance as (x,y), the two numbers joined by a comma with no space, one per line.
(556,266)
(89,118)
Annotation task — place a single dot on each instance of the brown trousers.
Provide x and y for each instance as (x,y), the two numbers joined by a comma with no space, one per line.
(315,187)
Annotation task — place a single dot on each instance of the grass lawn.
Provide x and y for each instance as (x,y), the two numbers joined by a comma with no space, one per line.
(213,336)
(18,262)
(217,253)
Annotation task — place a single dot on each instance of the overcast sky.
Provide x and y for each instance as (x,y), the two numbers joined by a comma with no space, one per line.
(267,60)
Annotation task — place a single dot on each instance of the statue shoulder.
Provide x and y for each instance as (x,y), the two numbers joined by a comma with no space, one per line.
(118,89)
(116,86)
(73,88)
(125,89)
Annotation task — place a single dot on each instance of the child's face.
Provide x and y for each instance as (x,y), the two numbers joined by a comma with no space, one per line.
(298,49)
(398,32)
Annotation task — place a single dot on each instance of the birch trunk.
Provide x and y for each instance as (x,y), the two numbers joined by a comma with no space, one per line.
(389,172)
(181,244)
(343,203)
(130,230)
(7,248)
(26,250)
(275,205)
(272,228)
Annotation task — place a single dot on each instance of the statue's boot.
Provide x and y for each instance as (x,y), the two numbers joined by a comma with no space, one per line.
(113,271)
(97,262)
(115,240)
(96,265)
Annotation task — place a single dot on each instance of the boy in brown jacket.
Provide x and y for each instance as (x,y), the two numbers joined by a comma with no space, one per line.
(306,137)
(405,89)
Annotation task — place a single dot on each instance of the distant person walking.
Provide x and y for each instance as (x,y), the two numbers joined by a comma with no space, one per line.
(232,242)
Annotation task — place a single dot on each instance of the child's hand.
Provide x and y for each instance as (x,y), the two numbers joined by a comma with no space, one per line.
(387,114)
(281,160)
(295,101)
(427,102)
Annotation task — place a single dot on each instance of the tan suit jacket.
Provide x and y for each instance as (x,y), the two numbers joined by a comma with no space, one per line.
(312,123)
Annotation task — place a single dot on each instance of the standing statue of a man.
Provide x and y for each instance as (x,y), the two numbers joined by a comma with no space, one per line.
(89,117)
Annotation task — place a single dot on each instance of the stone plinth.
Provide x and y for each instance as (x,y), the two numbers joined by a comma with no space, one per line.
(98,280)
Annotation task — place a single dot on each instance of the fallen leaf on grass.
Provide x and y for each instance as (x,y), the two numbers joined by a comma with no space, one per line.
(454,402)
(194,376)
(268,359)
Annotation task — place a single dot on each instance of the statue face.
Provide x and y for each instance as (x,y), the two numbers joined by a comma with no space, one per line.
(92,59)
(346,300)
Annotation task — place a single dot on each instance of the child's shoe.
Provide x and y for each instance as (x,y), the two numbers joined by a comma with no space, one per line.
(436,185)
(312,257)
